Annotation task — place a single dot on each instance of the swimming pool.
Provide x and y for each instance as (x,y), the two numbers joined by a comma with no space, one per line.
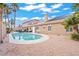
(26,38)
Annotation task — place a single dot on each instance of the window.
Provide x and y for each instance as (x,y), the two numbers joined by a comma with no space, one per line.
(49,28)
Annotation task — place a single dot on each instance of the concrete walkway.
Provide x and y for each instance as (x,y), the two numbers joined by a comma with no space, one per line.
(55,46)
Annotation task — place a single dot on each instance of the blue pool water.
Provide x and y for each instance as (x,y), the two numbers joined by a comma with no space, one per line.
(25,36)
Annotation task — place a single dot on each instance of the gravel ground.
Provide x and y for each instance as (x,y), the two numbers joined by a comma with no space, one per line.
(56,45)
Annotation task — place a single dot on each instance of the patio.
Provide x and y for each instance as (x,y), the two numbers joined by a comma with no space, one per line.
(57,45)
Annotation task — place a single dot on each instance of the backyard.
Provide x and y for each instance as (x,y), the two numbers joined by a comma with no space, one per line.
(59,31)
(60,45)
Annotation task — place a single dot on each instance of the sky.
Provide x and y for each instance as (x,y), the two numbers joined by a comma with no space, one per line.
(38,10)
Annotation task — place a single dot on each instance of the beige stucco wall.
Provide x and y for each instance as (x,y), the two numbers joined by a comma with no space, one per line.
(55,29)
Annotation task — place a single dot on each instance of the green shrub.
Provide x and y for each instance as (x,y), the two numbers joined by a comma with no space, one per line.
(8,30)
(75,36)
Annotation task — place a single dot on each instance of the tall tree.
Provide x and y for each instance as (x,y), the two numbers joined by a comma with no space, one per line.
(75,6)
(8,11)
(4,13)
(11,23)
(72,21)
(15,8)
(1,12)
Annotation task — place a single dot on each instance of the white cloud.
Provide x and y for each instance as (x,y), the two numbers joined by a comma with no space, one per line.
(72,12)
(66,8)
(36,18)
(42,7)
(32,7)
(53,16)
(55,6)
(55,11)
(44,13)
(22,18)
(46,9)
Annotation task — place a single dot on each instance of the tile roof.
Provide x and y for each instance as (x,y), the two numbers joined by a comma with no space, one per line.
(59,17)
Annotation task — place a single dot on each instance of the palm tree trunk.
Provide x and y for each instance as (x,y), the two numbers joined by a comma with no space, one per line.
(5,20)
(14,19)
(11,27)
(1,10)
(5,17)
(8,21)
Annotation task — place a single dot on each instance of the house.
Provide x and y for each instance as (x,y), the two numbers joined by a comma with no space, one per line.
(27,25)
(49,26)
(53,26)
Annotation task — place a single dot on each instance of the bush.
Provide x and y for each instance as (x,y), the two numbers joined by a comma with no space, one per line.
(75,36)
(8,30)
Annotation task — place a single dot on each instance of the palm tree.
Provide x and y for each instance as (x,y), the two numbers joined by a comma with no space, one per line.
(15,8)
(11,23)
(75,7)
(4,13)
(72,21)
(1,11)
(8,11)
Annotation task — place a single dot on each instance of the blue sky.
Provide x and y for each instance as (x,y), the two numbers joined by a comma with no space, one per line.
(37,11)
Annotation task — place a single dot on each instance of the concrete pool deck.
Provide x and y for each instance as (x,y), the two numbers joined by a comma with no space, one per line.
(56,45)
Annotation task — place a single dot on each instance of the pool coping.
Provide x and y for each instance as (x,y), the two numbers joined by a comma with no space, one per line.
(44,38)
